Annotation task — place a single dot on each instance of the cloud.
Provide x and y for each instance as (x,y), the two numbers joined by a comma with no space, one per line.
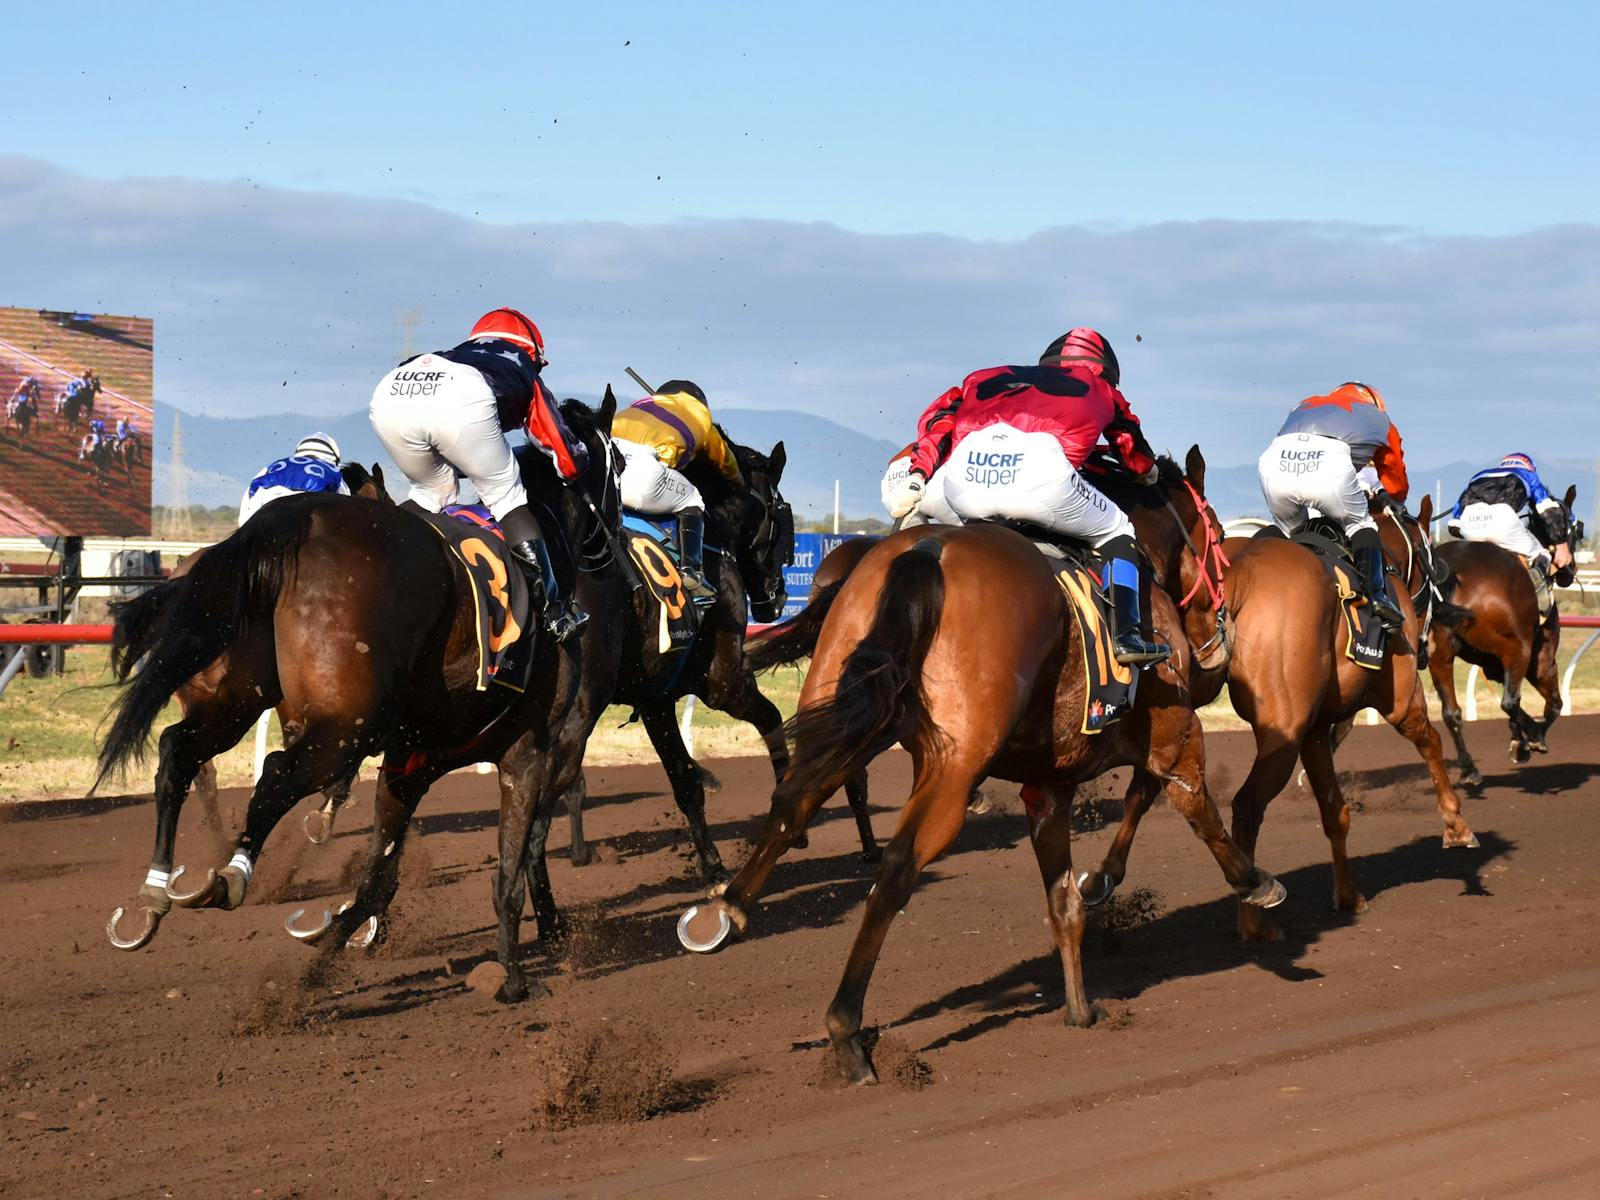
(269,299)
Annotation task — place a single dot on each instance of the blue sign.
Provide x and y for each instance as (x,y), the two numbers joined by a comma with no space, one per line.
(809,551)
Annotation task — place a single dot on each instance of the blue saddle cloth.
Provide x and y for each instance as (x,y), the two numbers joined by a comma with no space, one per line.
(662,529)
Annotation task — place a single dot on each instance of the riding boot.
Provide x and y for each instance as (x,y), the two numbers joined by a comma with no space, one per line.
(691,552)
(562,617)
(1131,642)
(1367,548)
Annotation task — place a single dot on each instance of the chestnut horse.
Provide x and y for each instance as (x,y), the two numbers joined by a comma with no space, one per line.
(958,643)
(1504,633)
(1290,678)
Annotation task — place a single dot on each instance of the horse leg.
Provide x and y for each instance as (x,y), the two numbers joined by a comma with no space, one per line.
(1511,704)
(578,848)
(1410,717)
(688,787)
(1187,792)
(552,925)
(1546,678)
(524,784)
(393,804)
(1274,764)
(855,790)
(1442,669)
(1316,752)
(321,753)
(932,818)
(184,747)
(319,825)
(1097,886)
(1050,828)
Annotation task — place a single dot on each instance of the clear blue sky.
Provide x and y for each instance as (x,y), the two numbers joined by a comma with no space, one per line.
(986,120)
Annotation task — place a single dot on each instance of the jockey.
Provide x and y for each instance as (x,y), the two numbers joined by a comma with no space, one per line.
(313,467)
(445,415)
(1315,462)
(27,389)
(659,436)
(1492,509)
(1008,443)
(125,429)
(96,435)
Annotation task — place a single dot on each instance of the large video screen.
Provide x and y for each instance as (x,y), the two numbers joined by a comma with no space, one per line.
(75,449)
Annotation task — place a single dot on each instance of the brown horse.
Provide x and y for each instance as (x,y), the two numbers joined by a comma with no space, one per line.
(958,643)
(353,617)
(1290,678)
(1504,633)
(370,486)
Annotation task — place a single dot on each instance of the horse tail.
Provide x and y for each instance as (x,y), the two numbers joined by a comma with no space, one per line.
(795,638)
(879,699)
(177,629)
(1453,615)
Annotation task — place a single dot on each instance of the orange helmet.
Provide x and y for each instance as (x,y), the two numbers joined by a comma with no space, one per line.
(1364,392)
(511,326)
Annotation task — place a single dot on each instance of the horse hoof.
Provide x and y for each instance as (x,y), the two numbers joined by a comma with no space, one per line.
(1472,778)
(319,827)
(1095,887)
(1269,893)
(1519,753)
(1454,841)
(152,921)
(704,928)
(309,936)
(364,935)
(200,898)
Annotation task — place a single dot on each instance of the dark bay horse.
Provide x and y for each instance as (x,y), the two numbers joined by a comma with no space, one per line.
(1503,633)
(352,616)
(958,643)
(750,532)
(1290,678)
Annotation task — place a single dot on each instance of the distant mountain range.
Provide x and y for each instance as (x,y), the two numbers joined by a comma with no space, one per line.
(221,453)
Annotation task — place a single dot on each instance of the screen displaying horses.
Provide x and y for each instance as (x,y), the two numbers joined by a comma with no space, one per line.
(75,453)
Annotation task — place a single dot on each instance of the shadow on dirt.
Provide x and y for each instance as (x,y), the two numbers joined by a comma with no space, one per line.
(1199,939)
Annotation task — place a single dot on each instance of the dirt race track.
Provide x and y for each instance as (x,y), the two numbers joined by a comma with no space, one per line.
(1445,1044)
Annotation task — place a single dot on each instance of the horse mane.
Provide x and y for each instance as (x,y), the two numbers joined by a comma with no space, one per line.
(1126,488)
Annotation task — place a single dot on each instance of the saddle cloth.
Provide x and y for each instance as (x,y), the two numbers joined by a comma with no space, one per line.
(499,594)
(1367,641)
(1109,686)
(652,546)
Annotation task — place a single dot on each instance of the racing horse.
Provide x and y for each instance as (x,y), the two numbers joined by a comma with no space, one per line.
(958,643)
(1290,678)
(22,411)
(1502,632)
(751,523)
(99,455)
(353,616)
(134,627)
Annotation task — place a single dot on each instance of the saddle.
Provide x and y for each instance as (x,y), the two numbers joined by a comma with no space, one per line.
(1325,538)
(1110,686)
(653,546)
(499,591)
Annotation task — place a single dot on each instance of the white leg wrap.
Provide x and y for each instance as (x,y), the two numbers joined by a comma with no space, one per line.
(241,863)
(157,878)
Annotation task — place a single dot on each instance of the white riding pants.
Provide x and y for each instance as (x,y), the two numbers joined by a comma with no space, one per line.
(438,421)
(651,487)
(1500,524)
(1302,471)
(1000,471)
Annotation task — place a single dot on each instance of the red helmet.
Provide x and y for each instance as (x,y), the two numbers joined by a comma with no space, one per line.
(1362,392)
(1084,345)
(511,326)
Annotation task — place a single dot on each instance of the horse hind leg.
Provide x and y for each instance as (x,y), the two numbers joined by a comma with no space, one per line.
(1096,887)
(1274,764)
(1442,669)
(1050,829)
(855,790)
(578,849)
(932,818)
(1317,755)
(1524,731)
(1410,717)
(319,824)
(688,787)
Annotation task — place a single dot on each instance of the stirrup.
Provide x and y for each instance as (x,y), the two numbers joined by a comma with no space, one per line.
(1132,650)
(562,621)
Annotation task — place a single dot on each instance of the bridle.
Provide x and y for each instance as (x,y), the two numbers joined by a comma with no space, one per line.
(1208,559)
(773,547)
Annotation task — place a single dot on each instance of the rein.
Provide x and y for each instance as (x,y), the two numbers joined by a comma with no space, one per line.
(1212,555)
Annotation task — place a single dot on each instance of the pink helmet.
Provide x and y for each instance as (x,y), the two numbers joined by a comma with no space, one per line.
(1087,346)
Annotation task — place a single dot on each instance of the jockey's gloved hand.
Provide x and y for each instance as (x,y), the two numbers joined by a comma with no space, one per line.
(906,496)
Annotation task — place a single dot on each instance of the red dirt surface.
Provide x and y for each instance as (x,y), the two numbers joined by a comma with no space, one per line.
(1445,1044)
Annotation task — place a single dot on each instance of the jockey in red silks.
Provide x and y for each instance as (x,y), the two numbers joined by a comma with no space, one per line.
(446,414)
(1009,443)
